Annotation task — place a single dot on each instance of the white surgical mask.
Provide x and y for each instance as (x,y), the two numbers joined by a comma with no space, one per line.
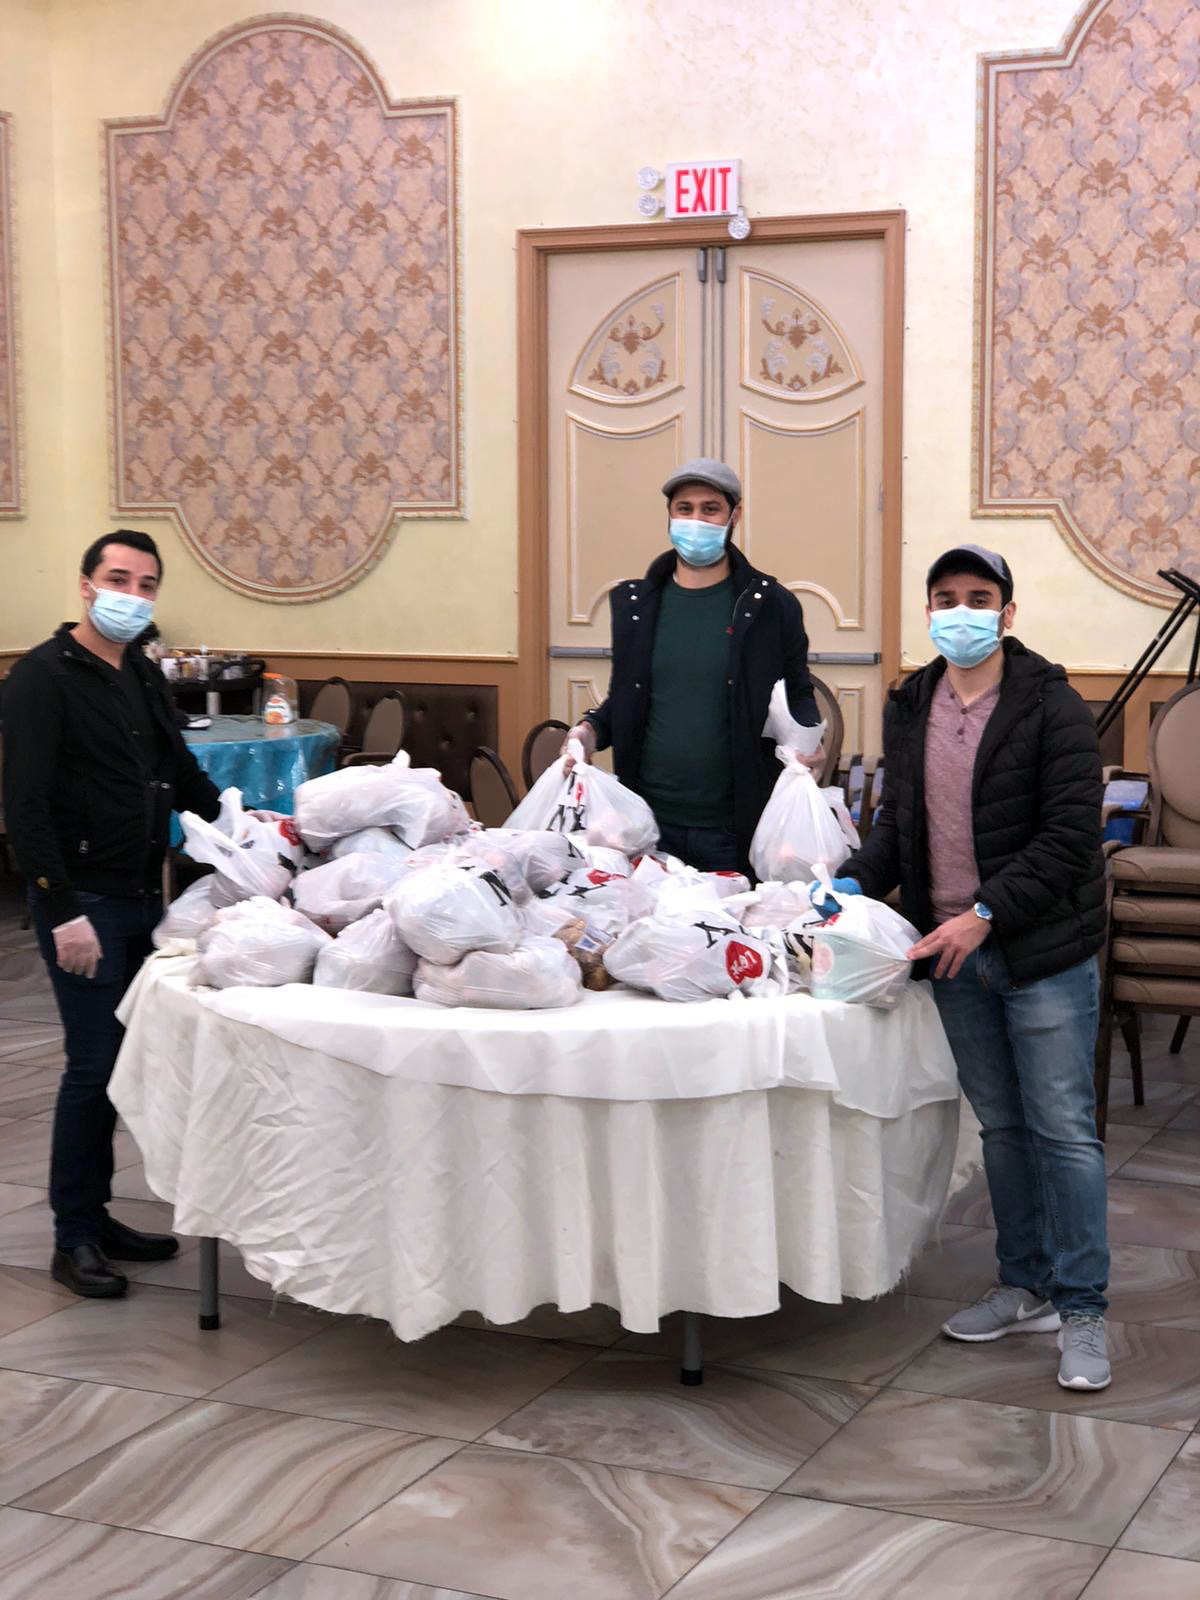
(119,616)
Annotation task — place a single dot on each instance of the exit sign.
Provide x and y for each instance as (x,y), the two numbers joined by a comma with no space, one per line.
(702,188)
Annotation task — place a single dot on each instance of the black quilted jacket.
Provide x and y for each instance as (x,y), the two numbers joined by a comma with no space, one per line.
(1037,796)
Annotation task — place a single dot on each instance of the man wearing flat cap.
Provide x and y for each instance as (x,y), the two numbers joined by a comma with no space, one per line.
(698,645)
(990,826)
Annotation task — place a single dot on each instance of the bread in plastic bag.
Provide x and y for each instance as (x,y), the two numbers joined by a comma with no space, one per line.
(347,888)
(371,841)
(368,956)
(586,799)
(536,977)
(695,956)
(412,801)
(257,942)
(801,825)
(587,945)
(861,953)
(188,914)
(251,856)
(447,910)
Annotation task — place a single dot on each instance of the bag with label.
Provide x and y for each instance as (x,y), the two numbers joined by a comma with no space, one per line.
(601,898)
(588,800)
(801,825)
(257,942)
(412,801)
(696,955)
(861,953)
(446,911)
(535,977)
(188,914)
(368,956)
(251,856)
(347,888)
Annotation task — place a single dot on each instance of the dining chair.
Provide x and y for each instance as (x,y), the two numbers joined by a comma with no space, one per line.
(490,789)
(333,703)
(384,732)
(542,745)
(835,728)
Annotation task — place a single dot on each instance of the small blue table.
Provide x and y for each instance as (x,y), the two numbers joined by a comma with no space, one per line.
(267,762)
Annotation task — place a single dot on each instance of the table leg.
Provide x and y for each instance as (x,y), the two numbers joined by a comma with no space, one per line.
(212,703)
(210,1286)
(692,1369)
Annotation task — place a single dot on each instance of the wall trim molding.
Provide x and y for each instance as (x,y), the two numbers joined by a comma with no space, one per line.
(535,249)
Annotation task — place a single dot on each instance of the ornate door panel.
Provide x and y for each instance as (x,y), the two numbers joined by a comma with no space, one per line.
(803,410)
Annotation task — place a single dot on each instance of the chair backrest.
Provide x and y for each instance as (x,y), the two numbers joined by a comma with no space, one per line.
(332,703)
(384,732)
(1173,757)
(492,793)
(835,728)
(541,747)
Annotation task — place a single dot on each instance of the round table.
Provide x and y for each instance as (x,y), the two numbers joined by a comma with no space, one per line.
(390,1158)
(266,761)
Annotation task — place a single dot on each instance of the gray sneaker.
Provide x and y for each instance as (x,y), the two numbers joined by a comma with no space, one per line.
(1084,1363)
(1002,1310)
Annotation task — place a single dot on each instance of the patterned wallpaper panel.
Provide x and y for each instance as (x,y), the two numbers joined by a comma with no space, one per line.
(284,291)
(1089,307)
(10,443)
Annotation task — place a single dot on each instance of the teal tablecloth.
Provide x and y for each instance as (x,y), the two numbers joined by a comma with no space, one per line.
(267,763)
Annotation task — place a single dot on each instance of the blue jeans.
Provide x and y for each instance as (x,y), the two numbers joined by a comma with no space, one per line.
(706,849)
(1025,1055)
(81,1153)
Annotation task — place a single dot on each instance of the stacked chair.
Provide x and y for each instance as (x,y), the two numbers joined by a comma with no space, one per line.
(1152,959)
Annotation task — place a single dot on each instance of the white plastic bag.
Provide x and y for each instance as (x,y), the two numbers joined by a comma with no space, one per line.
(801,825)
(343,890)
(412,801)
(257,942)
(538,859)
(446,911)
(370,841)
(252,857)
(603,899)
(538,975)
(861,953)
(587,800)
(773,905)
(696,955)
(187,916)
(369,956)
(782,728)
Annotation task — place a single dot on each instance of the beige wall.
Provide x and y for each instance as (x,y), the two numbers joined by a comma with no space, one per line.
(831,104)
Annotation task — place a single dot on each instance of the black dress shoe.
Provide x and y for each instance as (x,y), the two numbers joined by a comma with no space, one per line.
(123,1243)
(88,1271)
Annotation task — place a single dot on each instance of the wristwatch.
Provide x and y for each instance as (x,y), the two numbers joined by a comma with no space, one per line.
(984,913)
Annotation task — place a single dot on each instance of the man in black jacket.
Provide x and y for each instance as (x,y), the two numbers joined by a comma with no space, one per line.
(93,766)
(990,826)
(698,645)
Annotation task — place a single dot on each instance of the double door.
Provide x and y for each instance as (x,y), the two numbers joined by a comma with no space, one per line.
(769,356)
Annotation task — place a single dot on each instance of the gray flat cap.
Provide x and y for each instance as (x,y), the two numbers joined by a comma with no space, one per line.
(705,469)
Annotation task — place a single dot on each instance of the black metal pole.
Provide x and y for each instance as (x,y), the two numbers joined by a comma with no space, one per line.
(1190,592)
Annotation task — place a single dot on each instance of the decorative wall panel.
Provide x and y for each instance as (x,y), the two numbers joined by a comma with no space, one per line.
(636,353)
(1088,405)
(10,432)
(284,292)
(791,347)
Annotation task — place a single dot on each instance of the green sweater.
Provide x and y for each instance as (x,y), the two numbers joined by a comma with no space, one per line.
(686,771)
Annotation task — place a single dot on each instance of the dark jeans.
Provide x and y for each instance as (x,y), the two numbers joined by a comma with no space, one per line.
(706,849)
(81,1154)
(1025,1060)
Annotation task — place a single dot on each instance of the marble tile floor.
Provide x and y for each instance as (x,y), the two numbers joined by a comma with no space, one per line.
(833,1453)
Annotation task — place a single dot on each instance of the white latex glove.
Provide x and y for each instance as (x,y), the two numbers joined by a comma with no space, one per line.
(77,947)
(586,734)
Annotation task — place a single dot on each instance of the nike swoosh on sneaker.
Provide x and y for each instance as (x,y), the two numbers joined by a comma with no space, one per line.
(1034,1311)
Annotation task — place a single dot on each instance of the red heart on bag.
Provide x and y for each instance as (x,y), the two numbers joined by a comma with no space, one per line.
(741,962)
(596,876)
(289,830)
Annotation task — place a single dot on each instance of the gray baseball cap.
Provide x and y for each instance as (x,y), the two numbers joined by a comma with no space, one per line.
(705,469)
(988,564)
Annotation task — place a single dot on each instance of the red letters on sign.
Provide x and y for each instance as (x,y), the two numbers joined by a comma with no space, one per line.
(705,189)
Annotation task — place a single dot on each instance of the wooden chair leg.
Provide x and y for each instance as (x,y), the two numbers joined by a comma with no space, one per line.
(1132,1034)
(1180,1034)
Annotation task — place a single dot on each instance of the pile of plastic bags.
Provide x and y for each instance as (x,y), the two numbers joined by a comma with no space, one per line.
(381,883)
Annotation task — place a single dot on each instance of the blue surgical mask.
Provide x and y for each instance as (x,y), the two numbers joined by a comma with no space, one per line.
(701,544)
(119,616)
(964,635)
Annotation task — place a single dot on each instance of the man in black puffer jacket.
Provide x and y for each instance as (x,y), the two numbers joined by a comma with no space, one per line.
(990,826)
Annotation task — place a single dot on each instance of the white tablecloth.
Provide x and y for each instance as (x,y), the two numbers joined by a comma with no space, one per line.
(402,1161)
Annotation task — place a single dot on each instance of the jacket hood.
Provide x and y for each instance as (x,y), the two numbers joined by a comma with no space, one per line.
(663,567)
(1023,668)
